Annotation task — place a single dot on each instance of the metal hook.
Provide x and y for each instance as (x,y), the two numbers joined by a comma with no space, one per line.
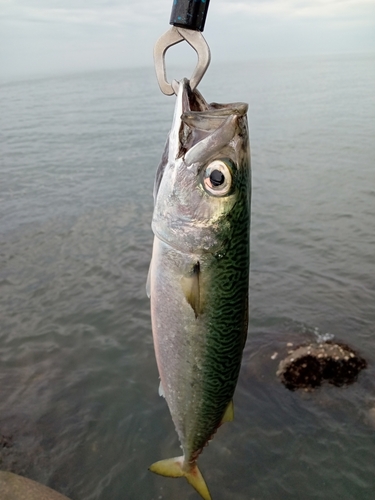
(173,36)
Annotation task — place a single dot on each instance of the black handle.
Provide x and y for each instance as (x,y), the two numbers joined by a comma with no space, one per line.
(189,14)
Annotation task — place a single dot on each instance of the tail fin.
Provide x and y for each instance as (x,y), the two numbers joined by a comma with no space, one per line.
(175,467)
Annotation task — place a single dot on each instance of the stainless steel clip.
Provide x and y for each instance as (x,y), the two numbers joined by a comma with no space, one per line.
(173,36)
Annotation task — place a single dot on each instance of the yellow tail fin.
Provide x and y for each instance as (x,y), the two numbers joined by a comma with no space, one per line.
(175,467)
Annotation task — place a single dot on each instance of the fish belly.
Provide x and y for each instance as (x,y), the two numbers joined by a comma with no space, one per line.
(198,357)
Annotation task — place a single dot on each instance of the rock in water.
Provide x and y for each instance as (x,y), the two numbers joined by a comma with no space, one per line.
(14,487)
(308,366)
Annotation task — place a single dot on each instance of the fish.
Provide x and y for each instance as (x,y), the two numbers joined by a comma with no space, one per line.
(198,281)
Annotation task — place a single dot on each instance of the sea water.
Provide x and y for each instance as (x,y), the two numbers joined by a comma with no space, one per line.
(79,404)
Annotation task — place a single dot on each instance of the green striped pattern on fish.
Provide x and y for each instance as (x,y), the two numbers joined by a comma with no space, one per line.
(226,314)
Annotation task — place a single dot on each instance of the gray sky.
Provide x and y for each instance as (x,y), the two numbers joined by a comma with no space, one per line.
(55,36)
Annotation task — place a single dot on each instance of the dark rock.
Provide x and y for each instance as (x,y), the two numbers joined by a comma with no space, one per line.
(308,366)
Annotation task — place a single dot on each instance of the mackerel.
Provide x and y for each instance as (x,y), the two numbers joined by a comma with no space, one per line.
(199,273)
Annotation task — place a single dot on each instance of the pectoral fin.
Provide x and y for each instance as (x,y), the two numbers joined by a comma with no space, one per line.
(191,288)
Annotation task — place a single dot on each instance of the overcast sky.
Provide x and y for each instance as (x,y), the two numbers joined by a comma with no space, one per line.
(54,36)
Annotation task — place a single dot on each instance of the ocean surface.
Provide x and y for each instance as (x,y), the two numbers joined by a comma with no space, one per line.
(79,404)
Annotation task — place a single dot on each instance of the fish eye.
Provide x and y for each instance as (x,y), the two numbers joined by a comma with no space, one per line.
(217,178)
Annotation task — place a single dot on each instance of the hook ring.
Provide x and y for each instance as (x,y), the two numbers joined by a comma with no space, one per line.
(173,36)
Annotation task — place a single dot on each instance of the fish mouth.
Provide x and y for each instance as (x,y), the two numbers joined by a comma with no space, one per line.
(200,129)
(193,103)
(191,100)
